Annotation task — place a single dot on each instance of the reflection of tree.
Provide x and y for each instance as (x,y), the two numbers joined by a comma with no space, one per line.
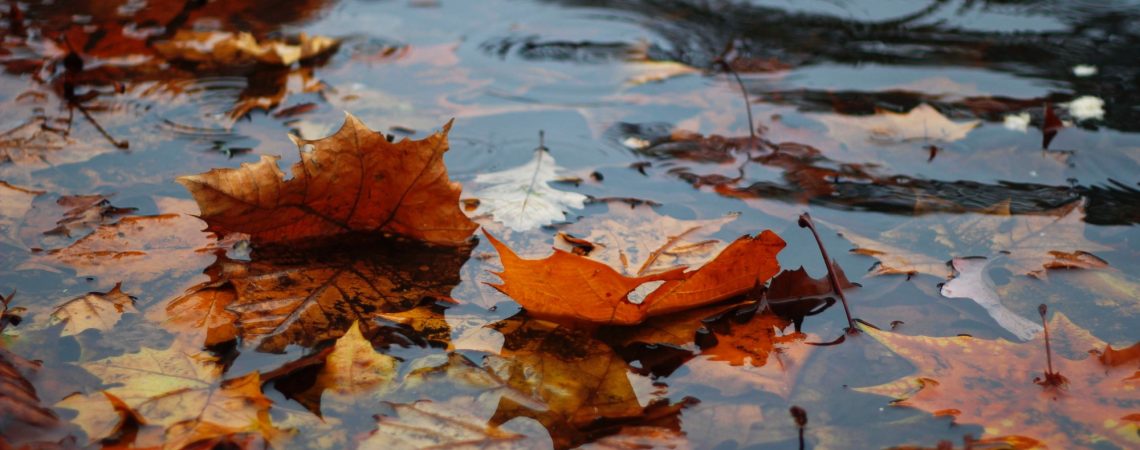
(697,31)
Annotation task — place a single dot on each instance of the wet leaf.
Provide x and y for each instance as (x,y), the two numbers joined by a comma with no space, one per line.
(573,286)
(15,202)
(971,281)
(224,48)
(24,416)
(923,123)
(307,296)
(201,314)
(1034,242)
(352,181)
(450,425)
(96,310)
(1099,401)
(353,371)
(101,415)
(522,198)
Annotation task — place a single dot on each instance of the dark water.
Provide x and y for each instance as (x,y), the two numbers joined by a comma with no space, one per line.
(506,70)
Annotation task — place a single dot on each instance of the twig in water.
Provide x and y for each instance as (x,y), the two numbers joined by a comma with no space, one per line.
(805,222)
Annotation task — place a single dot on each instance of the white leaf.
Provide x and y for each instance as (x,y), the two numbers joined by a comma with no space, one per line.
(522,199)
(973,283)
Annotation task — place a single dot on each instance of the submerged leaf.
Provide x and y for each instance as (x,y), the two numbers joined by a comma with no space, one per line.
(923,123)
(972,282)
(352,181)
(96,310)
(433,425)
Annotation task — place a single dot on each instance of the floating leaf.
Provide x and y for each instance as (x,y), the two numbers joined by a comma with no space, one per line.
(522,198)
(352,181)
(992,383)
(923,123)
(96,310)
(433,425)
(972,282)
(223,48)
(573,286)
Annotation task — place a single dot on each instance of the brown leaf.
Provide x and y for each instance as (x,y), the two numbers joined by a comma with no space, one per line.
(223,48)
(96,310)
(573,286)
(793,285)
(24,416)
(1099,403)
(304,297)
(352,181)
(923,123)
(448,425)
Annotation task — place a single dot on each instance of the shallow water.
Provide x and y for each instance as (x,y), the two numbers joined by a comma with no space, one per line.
(508,70)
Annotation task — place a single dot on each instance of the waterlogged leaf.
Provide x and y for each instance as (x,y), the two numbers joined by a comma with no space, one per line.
(15,202)
(583,387)
(184,393)
(637,241)
(1034,242)
(304,296)
(998,384)
(224,48)
(923,123)
(136,249)
(574,286)
(795,285)
(201,315)
(352,181)
(96,310)
(427,424)
(352,371)
(971,281)
(72,216)
(101,415)
(24,416)
(522,198)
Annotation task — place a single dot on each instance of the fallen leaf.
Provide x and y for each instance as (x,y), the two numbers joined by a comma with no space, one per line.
(581,384)
(15,202)
(80,215)
(1099,403)
(101,415)
(24,417)
(971,281)
(224,48)
(445,425)
(923,123)
(184,393)
(522,198)
(796,285)
(573,286)
(352,181)
(637,241)
(95,310)
(352,371)
(201,314)
(1034,242)
(293,296)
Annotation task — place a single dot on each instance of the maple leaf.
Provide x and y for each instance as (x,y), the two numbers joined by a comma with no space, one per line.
(352,181)
(80,214)
(1034,242)
(96,310)
(427,424)
(184,393)
(569,285)
(224,48)
(301,296)
(522,198)
(1099,403)
(101,415)
(23,415)
(921,123)
(201,314)
(352,370)
(972,282)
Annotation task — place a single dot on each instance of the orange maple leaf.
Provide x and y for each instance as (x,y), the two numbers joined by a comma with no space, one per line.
(1098,403)
(573,286)
(352,181)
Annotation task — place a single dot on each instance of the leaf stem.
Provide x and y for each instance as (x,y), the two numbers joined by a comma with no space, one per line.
(806,222)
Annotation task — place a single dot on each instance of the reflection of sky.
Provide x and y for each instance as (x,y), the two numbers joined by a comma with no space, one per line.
(956,81)
(978,17)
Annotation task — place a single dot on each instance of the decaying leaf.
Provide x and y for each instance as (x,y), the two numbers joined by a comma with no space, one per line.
(971,281)
(1034,242)
(434,425)
(992,383)
(637,241)
(293,296)
(522,198)
(96,310)
(574,286)
(224,48)
(923,123)
(352,181)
